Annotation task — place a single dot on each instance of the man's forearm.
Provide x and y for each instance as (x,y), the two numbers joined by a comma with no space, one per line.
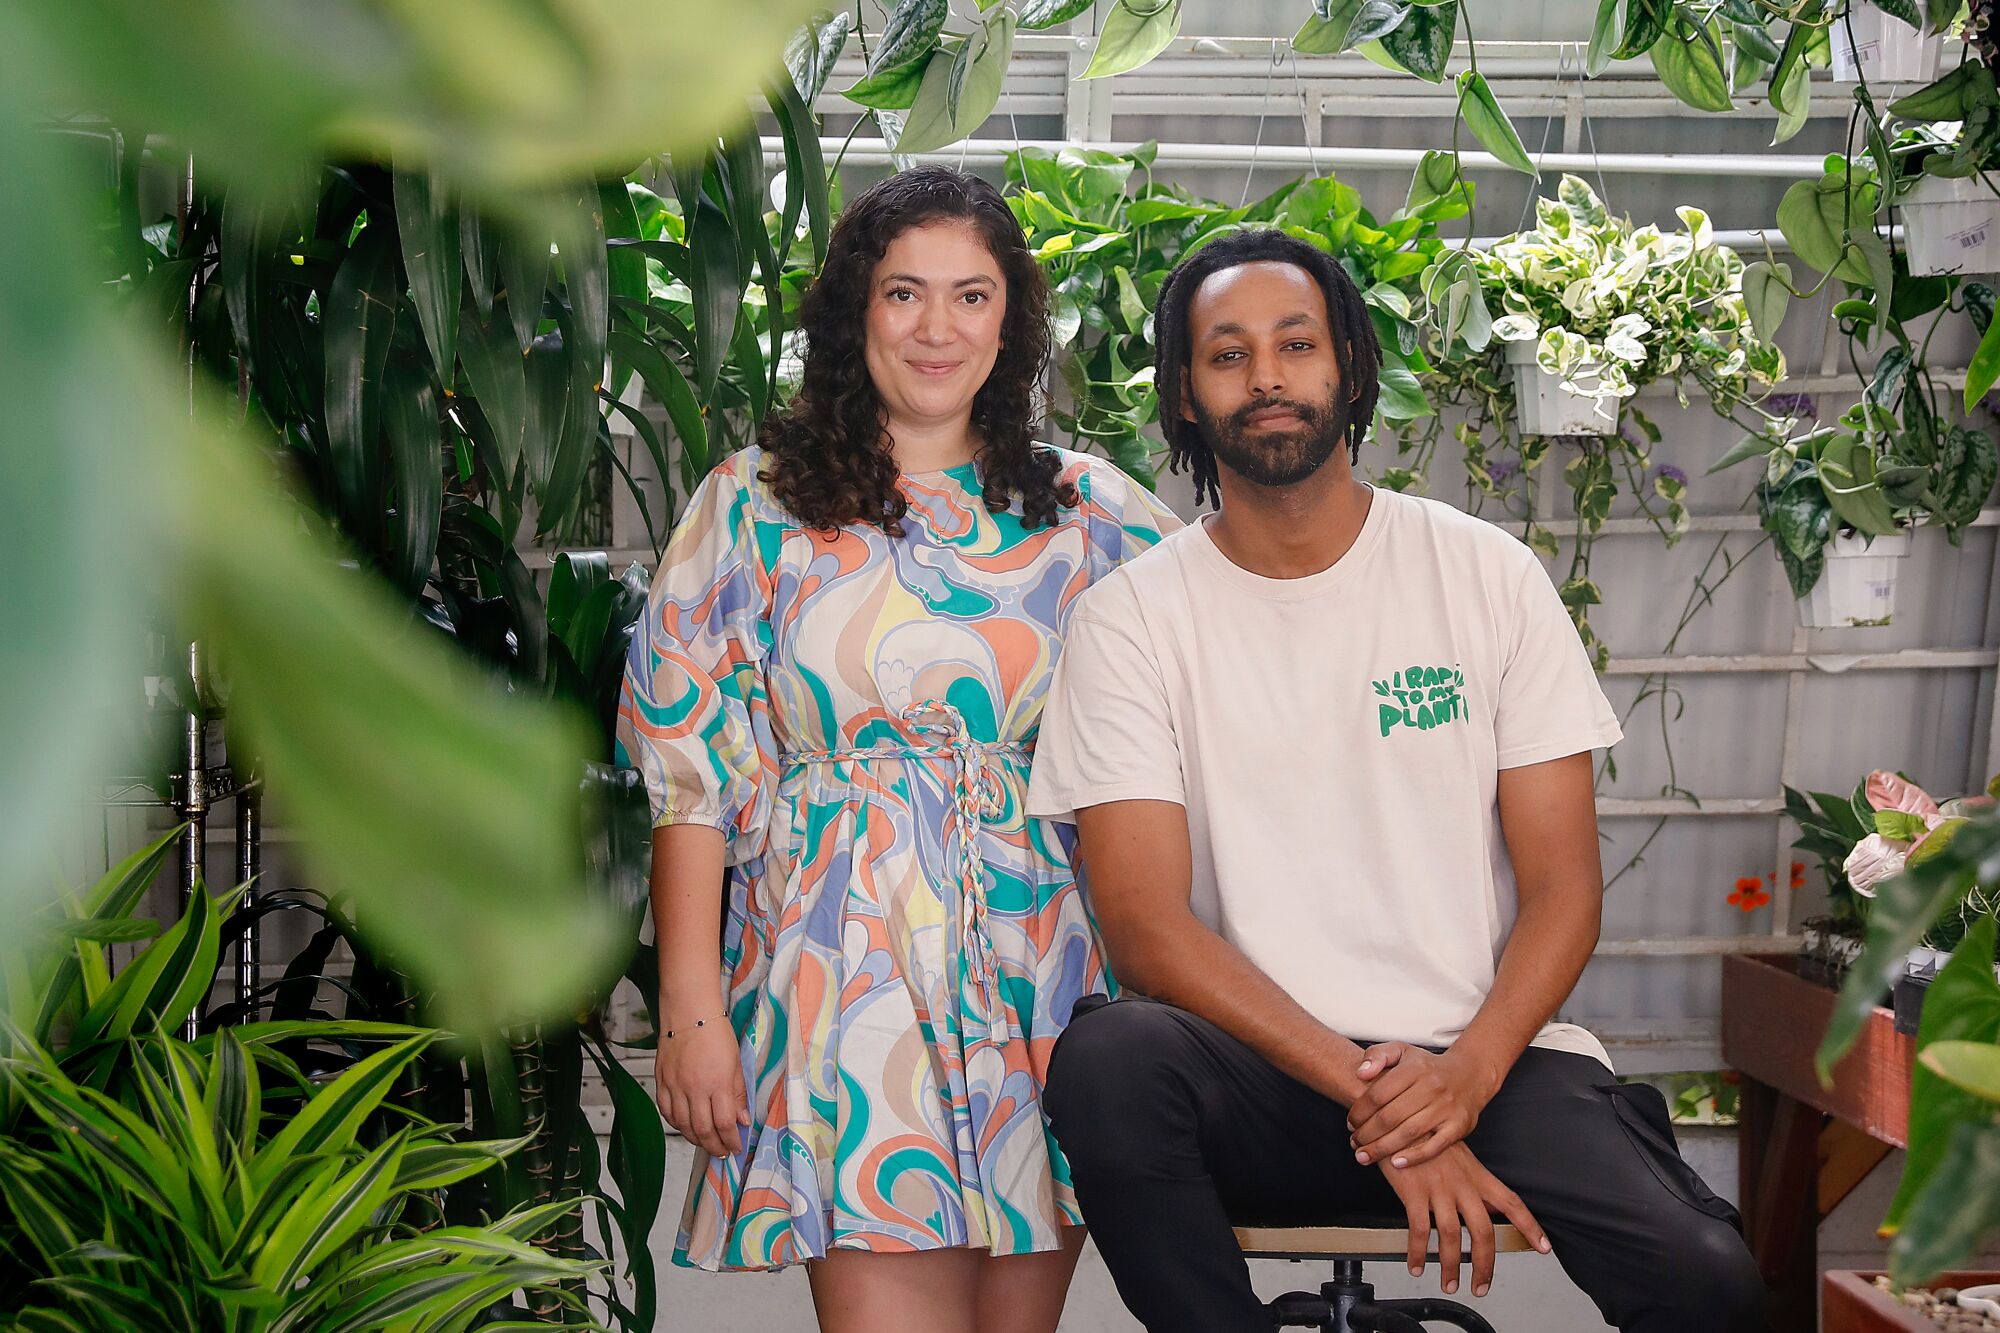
(1545,954)
(1182,962)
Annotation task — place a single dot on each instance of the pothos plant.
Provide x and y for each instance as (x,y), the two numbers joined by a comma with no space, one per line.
(1610,308)
(929,86)
(1106,253)
(1896,458)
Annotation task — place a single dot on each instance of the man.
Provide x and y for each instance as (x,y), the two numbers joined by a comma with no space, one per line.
(1328,756)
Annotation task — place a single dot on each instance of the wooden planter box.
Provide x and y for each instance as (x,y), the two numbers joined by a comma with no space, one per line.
(1849,1303)
(1772,1020)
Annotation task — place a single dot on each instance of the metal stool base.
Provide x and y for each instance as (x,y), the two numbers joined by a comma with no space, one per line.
(1348,1305)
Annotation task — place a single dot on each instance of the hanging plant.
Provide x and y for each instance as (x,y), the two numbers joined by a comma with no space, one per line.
(1607,308)
(1846,494)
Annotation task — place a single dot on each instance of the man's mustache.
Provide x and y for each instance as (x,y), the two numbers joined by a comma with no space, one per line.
(1309,413)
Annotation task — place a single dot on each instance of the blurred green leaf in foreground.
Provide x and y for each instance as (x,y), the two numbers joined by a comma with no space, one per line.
(447,810)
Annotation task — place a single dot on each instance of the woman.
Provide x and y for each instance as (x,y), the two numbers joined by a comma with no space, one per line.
(834,696)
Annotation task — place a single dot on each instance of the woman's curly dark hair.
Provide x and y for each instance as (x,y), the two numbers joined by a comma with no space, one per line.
(829,457)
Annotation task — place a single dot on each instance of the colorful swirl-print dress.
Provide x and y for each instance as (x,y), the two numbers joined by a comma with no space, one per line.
(902,946)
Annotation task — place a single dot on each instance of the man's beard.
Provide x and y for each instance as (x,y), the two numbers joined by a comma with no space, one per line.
(1276,457)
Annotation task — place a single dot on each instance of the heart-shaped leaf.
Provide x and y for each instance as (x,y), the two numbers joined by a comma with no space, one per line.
(1134,32)
(1489,124)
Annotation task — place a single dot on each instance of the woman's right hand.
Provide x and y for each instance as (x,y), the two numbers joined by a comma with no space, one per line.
(700,1086)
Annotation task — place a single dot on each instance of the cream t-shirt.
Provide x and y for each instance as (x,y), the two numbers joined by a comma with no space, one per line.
(1336,740)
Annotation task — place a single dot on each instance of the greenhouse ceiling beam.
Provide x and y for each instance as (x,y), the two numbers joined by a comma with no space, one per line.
(989,152)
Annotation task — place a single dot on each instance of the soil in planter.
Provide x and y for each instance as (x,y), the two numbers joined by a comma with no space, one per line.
(1828,952)
(1941,1307)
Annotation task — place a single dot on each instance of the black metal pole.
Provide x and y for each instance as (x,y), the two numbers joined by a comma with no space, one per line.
(193,801)
(249,862)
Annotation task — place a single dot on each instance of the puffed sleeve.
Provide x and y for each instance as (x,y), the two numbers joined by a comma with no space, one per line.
(694,714)
(1125,518)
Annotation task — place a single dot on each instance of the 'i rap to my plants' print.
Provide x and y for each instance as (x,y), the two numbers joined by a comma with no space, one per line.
(1420,698)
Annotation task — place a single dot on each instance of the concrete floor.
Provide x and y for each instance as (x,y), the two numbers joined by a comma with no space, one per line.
(1530,1293)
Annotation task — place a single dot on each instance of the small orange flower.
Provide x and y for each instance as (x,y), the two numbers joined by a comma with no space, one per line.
(1749,894)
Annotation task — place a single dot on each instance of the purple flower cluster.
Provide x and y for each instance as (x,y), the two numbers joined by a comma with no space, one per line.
(1503,471)
(1669,472)
(1801,405)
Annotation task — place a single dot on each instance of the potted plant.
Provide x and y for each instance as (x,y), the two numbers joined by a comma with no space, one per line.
(1870,43)
(1605,307)
(1949,1198)
(1563,384)
(265,1175)
(1838,503)
(1841,499)
(1863,839)
(1940,181)
(1579,314)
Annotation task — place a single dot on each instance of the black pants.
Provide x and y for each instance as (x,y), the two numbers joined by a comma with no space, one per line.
(1172,1127)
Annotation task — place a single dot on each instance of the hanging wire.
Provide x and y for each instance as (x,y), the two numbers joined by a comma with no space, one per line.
(1590,131)
(1263,103)
(1565,53)
(1548,127)
(1305,115)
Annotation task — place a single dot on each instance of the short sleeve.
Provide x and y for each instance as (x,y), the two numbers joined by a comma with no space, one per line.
(1551,704)
(1124,518)
(1107,733)
(693,713)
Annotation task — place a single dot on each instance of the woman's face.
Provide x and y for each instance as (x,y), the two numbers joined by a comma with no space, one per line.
(935,309)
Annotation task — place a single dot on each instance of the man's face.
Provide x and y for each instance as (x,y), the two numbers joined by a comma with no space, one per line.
(1262,380)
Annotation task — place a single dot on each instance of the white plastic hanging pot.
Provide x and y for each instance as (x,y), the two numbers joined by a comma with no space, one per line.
(1951,224)
(1858,585)
(1870,43)
(1544,405)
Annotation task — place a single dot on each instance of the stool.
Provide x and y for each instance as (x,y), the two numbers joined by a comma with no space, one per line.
(1347,1304)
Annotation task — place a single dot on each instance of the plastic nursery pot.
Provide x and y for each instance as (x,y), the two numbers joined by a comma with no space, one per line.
(1870,43)
(1544,405)
(1858,586)
(1951,225)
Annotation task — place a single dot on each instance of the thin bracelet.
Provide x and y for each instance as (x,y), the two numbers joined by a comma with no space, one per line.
(699,1022)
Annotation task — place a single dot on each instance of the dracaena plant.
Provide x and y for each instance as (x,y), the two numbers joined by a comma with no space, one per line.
(272,1175)
(70,1015)
(212,1200)
(1610,308)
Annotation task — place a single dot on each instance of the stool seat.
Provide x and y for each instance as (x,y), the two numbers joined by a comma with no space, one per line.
(1376,1239)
